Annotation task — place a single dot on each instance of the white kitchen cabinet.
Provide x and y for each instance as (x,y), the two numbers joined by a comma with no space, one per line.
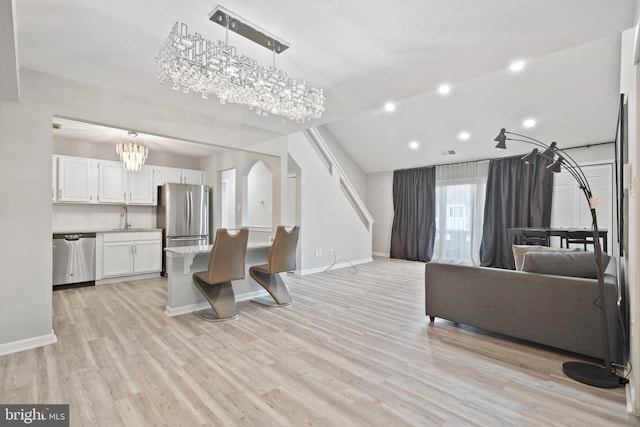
(133,188)
(117,259)
(194,177)
(128,253)
(169,175)
(77,179)
(147,256)
(141,186)
(179,176)
(83,180)
(54,178)
(112,180)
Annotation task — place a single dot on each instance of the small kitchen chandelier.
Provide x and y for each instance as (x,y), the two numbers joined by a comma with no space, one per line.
(192,63)
(132,154)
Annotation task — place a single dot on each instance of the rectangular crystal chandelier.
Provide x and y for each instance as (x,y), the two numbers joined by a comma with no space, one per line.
(192,63)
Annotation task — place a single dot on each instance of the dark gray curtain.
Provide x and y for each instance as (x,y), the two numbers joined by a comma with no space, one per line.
(414,218)
(518,195)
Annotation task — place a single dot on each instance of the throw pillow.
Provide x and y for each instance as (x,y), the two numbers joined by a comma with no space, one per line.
(519,251)
(574,264)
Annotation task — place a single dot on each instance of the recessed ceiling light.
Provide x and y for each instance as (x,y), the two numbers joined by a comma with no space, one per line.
(390,106)
(444,89)
(464,136)
(414,145)
(529,123)
(516,66)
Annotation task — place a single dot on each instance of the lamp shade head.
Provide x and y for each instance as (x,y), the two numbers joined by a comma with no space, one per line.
(556,166)
(501,139)
(532,155)
(550,152)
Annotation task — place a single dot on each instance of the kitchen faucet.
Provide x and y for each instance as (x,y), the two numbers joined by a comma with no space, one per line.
(125,213)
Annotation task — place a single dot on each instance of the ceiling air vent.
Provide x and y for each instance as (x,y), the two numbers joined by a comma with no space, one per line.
(448,152)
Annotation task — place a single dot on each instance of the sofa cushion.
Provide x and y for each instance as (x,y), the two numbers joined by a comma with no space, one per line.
(575,264)
(519,251)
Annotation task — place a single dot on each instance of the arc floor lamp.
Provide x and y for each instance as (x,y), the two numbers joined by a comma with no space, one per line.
(586,373)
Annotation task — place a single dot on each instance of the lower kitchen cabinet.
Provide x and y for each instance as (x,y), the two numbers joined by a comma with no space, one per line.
(128,253)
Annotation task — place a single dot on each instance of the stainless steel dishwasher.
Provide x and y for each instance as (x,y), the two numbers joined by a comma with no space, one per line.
(74,260)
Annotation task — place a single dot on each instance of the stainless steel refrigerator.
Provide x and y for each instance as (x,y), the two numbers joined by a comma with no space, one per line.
(183,214)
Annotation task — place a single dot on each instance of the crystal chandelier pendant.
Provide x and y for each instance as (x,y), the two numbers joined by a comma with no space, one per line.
(191,63)
(132,155)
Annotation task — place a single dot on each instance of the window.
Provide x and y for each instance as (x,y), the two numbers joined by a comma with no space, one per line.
(569,207)
(460,195)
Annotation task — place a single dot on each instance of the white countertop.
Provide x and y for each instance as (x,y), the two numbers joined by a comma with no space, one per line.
(110,230)
(201,249)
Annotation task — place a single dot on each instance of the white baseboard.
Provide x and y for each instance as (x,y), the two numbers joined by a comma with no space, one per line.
(382,254)
(126,278)
(184,309)
(335,266)
(251,295)
(28,343)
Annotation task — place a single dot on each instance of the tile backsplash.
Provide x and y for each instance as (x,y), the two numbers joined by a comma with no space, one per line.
(79,217)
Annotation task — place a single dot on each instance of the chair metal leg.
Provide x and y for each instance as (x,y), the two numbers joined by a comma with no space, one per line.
(275,285)
(222,300)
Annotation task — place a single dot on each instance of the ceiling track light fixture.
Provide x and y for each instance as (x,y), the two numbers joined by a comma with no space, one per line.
(192,63)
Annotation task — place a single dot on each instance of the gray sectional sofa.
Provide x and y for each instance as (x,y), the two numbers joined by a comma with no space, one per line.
(549,309)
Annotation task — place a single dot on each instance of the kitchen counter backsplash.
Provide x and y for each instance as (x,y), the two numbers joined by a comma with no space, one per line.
(76,217)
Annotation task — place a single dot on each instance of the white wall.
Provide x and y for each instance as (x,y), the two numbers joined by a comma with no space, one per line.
(258,202)
(349,166)
(26,255)
(242,161)
(228,200)
(68,147)
(84,217)
(9,73)
(380,205)
(68,99)
(327,219)
(629,83)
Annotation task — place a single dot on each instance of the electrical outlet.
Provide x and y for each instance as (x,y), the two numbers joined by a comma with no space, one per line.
(318,252)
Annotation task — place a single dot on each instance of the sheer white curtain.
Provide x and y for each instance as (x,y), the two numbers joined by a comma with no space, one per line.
(460,195)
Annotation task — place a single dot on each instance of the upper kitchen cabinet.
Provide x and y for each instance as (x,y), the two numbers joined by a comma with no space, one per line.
(82,180)
(194,177)
(119,186)
(112,183)
(142,188)
(77,180)
(166,175)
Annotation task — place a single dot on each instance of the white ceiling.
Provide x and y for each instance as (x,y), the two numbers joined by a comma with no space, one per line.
(75,131)
(364,53)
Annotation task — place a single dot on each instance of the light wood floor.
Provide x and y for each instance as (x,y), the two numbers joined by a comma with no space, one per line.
(353,350)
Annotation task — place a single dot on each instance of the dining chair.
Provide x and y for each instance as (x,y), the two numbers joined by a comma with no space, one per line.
(282,258)
(226,263)
(535,237)
(579,237)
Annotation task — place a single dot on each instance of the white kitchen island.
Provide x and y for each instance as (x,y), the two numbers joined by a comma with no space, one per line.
(183,296)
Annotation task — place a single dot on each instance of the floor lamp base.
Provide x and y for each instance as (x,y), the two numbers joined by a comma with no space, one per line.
(592,375)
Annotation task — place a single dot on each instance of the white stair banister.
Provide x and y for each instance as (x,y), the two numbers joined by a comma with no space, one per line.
(334,168)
